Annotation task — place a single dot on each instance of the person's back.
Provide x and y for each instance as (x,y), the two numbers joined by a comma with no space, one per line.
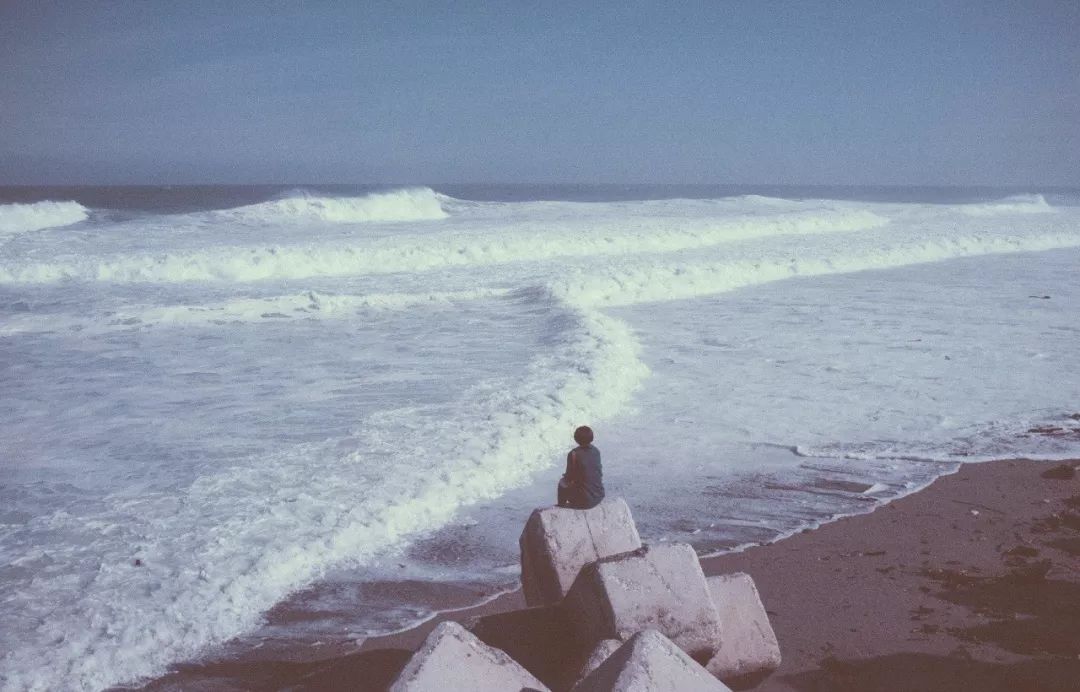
(592,474)
(582,486)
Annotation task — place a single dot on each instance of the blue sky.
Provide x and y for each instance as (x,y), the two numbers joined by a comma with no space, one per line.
(893,93)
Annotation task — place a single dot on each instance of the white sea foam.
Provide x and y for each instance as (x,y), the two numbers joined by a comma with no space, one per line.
(21,218)
(660,281)
(419,253)
(1042,435)
(409,204)
(306,305)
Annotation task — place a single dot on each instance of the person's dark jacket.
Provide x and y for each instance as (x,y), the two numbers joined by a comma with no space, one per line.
(585,476)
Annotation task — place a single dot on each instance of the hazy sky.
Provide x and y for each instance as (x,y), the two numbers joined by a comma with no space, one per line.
(801,92)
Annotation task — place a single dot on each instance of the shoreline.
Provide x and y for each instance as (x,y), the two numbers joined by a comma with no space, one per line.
(947,585)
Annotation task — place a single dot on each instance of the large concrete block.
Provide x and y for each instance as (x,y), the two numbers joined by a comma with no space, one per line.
(649,662)
(657,587)
(749,646)
(453,659)
(557,542)
(604,648)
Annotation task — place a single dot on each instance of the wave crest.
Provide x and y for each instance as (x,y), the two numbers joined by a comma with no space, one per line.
(420,252)
(21,218)
(408,204)
(1017,204)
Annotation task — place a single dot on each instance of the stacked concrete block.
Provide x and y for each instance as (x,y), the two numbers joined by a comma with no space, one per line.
(647,614)
(649,662)
(557,542)
(600,653)
(656,587)
(749,645)
(451,658)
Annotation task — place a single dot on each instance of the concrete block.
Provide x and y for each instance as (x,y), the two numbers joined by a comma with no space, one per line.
(649,662)
(658,587)
(451,658)
(749,645)
(603,649)
(557,542)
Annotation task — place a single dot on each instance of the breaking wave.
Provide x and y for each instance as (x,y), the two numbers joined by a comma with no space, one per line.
(410,204)
(417,253)
(662,281)
(1018,204)
(21,218)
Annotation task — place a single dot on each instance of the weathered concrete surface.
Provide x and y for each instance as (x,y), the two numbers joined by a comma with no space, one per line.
(749,645)
(451,658)
(650,662)
(540,639)
(557,542)
(657,587)
(603,649)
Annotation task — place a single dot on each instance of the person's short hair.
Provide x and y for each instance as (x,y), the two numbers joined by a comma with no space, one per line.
(583,435)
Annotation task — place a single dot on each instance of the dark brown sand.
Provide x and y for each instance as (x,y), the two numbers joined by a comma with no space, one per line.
(971,584)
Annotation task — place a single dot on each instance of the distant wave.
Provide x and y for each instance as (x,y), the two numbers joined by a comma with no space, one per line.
(415,253)
(1017,204)
(410,204)
(21,218)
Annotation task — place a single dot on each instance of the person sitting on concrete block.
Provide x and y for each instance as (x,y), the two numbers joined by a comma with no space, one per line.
(749,647)
(557,542)
(582,486)
(452,658)
(658,587)
(649,661)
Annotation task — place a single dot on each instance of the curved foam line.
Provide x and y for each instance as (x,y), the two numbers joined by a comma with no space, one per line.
(670,281)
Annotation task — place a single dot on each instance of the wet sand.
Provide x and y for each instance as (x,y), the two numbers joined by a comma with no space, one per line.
(971,583)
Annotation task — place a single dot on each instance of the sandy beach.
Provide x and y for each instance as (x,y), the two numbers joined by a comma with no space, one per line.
(973,582)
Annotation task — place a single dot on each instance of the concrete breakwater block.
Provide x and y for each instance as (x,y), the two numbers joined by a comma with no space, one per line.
(657,587)
(451,658)
(604,648)
(649,662)
(749,646)
(557,542)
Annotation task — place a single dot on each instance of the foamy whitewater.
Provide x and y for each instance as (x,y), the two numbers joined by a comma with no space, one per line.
(285,420)
(23,218)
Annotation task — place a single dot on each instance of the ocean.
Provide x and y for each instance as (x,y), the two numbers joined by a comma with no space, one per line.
(291,417)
